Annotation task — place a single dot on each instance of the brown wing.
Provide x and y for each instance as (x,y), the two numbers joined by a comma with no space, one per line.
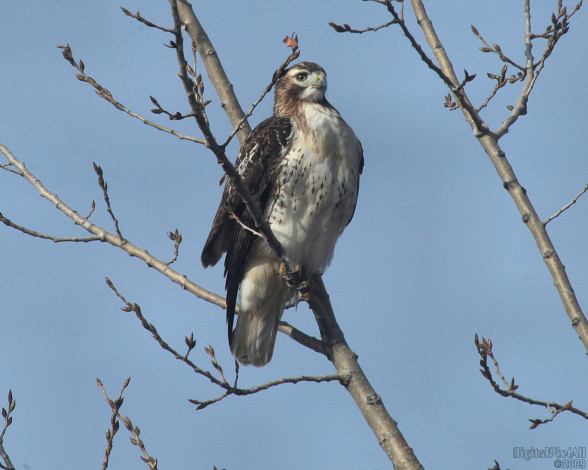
(257,165)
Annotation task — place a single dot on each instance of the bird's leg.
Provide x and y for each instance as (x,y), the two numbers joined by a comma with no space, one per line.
(296,281)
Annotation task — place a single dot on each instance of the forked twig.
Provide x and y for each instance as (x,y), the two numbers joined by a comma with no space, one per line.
(484,348)
(134,430)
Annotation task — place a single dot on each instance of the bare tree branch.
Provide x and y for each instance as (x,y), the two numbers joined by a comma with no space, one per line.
(114,424)
(136,309)
(221,382)
(496,49)
(105,94)
(6,167)
(532,70)
(302,338)
(489,141)
(484,348)
(148,23)
(249,391)
(113,239)
(32,233)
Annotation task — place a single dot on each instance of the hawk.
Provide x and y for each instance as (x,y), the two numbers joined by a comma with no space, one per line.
(302,166)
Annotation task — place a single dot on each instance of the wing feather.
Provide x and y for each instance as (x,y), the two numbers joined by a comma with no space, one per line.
(257,164)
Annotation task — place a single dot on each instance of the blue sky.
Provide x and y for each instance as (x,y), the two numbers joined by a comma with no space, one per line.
(436,252)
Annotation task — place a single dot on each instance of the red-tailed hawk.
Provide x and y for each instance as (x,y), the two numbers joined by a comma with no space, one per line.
(302,166)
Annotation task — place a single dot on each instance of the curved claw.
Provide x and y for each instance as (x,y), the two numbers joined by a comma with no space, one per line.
(295,281)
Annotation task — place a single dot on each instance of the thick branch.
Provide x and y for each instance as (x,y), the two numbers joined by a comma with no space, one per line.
(369,402)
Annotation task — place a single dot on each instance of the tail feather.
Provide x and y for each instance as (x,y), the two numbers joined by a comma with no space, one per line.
(263,297)
(254,337)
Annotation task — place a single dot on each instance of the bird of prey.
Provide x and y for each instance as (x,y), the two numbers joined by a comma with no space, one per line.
(302,167)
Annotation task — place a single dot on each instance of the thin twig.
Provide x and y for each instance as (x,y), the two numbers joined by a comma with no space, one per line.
(114,424)
(564,208)
(500,82)
(276,76)
(236,218)
(105,94)
(7,422)
(222,382)
(176,237)
(136,309)
(249,391)
(148,23)
(104,188)
(32,233)
(345,28)
(6,166)
(496,49)
(484,348)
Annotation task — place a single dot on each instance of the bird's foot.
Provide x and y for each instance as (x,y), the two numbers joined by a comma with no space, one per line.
(295,281)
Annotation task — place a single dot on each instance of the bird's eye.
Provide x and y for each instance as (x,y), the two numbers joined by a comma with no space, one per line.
(301,76)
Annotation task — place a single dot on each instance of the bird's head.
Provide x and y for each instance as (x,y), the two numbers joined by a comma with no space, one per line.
(305,81)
